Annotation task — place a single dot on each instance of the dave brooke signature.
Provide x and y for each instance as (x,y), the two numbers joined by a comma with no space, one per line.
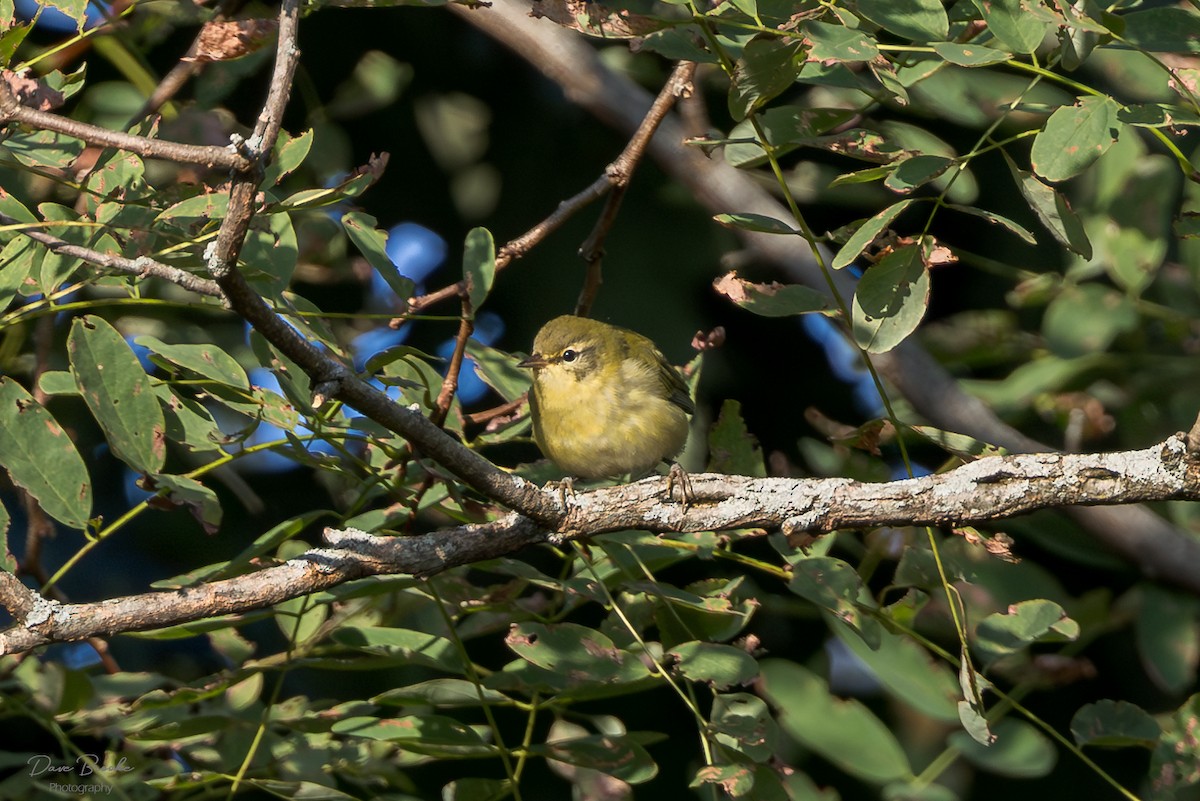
(85,765)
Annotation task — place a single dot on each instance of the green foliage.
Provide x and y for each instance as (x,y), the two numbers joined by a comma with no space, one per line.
(1037,150)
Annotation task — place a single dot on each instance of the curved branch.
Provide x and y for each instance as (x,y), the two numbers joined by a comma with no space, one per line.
(990,489)
(616,175)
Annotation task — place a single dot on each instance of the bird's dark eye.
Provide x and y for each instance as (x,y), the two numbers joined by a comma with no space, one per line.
(570,355)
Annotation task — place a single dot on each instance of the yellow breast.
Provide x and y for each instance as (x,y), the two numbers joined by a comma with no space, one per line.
(602,425)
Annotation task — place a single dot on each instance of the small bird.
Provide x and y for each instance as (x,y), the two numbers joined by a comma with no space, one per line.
(605,401)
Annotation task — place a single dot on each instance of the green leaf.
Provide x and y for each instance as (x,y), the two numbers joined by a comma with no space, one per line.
(187,727)
(479,265)
(866,233)
(1158,115)
(8,562)
(299,619)
(721,666)
(862,176)
(1012,25)
(833,585)
(965,447)
(12,34)
(732,449)
(57,268)
(206,360)
(182,491)
(1074,137)
(414,731)
(1019,751)
(42,148)
(890,299)
(916,171)
(443,693)
(904,791)
(759,223)
(1166,638)
(290,153)
(1053,210)
(1176,759)
(416,647)
(20,260)
(1114,724)
(843,731)
(743,722)
(621,757)
(118,392)
(770,300)
(838,43)
(1025,623)
(971,710)
(1085,319)
(767,67)
(41,458)
(569,649)
(918,20)
(196,213)
(299,790)
(498,370)
(471,789)
(906,670)
(970,55)
(996,219)
(188,422)
(372,243)
(1168,30)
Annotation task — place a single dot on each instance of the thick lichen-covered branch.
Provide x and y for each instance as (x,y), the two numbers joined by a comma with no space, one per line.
(987,490)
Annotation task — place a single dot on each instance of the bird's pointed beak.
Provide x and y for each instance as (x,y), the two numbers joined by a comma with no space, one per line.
(533,362)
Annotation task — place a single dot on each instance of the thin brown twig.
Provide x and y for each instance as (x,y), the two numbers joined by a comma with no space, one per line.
(678,85)
(592,251)
(615,174)
(209,156)
(445,398)
(487,415)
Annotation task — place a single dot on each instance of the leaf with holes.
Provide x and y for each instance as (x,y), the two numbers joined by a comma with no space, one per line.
(890,299)
(118,392)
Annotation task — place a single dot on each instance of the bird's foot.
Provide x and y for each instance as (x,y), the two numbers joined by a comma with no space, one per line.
(565,487)
(678,476)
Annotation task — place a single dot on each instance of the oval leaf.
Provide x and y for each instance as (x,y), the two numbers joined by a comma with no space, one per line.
(118,392)
(721,666)
(844,732)
(1114,724)
(206,360)
(40,457)
(479,265)
(890,300)
(1074,137)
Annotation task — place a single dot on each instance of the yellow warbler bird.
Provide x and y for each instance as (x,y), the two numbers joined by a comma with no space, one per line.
(605,401)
